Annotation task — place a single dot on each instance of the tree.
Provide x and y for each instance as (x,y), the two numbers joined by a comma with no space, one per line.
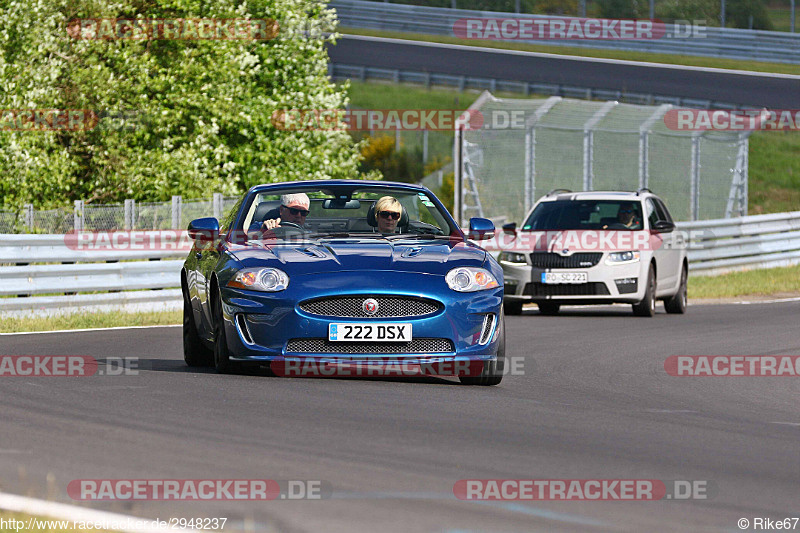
(193,116)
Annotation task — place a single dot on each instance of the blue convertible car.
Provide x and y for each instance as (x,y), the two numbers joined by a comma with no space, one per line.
(347,272)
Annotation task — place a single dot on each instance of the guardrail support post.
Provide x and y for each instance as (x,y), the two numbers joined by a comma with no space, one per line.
(217,205)
(27,214)
(176,212)
(694,194)
(129,209)
(77,218)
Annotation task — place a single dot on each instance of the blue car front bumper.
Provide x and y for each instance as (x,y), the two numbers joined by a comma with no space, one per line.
(266,327)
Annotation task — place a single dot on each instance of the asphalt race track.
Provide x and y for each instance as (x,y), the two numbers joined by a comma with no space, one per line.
(593,402)
(752,89)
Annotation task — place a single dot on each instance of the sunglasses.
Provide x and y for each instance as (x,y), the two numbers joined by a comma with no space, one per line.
(390,214)
(626,210)
(295,211)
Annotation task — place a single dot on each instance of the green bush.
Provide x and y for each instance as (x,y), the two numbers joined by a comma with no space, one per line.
(205,106)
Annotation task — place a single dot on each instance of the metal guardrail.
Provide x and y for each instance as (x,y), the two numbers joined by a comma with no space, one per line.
(757,241)
(82,277)
(25,248)
(729,43)
(430,79)
(46,272)
(715,247)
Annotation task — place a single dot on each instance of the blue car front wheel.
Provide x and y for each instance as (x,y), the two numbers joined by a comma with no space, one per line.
(194,351)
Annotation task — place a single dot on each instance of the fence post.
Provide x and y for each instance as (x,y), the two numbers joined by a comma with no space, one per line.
(217,203)
(176,212)
(694,193)
(129,209)
(424,146)
(458,171)
(27,213)
(77,216)
(530,162)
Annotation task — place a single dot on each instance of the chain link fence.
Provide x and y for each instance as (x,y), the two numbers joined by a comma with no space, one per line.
(529,147)
(175,214)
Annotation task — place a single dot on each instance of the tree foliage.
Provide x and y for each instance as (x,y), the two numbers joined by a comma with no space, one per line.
(197,112)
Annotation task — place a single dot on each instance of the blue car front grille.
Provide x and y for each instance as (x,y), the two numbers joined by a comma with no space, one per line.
(421,345)
(388,306)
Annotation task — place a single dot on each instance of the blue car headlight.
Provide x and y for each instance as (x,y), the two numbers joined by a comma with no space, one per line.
(470,279)
(260,279)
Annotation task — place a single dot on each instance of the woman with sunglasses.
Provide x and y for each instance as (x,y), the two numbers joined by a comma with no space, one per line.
(388,211)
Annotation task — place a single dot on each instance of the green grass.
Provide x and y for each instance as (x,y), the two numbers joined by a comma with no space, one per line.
(89,320)
(708,62)
(781,17)
(396,96)
(774,172)
(765,282)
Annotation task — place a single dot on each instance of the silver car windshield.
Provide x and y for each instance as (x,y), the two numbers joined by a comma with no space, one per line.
(585,215)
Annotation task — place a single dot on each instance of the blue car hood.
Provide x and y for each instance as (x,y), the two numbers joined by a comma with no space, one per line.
(432,257)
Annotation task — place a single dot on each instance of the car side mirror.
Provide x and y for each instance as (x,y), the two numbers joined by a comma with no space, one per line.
(204,230)
(480,229)
(511,228)
(662,226)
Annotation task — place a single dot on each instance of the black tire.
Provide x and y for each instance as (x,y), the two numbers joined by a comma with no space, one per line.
(492,372)
(512,307)
(222,361)
(195,352)
(549,308)
(647,307)
(677,303)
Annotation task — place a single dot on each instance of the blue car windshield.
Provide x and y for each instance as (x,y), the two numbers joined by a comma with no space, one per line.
(346,213)
(585,215)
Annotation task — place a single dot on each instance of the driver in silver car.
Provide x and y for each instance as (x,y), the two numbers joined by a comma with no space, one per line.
(293,209)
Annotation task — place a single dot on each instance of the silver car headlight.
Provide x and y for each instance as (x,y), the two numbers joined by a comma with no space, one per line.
(512,257)
(260,279)
(470,279)
(618,258)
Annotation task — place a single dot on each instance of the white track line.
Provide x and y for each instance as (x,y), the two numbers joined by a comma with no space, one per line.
(63,511)
(575,58)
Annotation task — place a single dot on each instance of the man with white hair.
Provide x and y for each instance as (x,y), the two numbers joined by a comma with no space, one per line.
(293,209)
